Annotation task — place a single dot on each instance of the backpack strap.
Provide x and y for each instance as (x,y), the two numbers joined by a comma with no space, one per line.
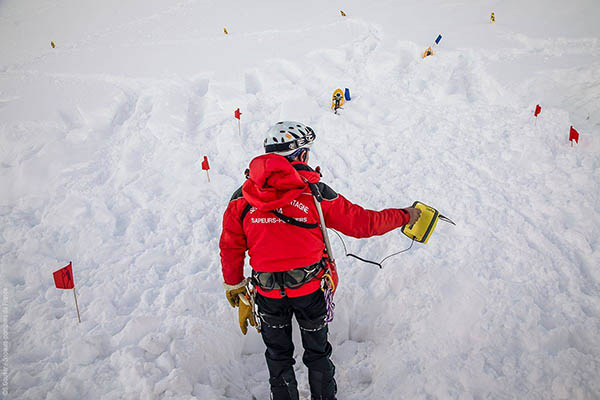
(293,221)
(283,217)
(245,212)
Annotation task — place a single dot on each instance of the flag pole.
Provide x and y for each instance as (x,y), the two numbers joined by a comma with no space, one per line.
(535,123)
(76,305)
(240,127)
(571,143)
(207,175)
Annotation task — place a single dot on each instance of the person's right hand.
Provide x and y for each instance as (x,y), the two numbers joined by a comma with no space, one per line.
(414,213)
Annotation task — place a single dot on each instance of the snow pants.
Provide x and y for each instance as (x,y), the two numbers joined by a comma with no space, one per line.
(276,317)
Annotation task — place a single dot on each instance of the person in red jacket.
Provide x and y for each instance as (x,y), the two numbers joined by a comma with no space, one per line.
(273,216)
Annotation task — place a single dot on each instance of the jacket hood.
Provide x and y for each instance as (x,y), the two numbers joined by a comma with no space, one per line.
(274,182)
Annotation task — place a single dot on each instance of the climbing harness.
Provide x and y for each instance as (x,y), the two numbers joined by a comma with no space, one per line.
(291,279)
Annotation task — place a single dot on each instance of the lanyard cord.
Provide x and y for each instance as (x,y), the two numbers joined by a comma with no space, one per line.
(369,261)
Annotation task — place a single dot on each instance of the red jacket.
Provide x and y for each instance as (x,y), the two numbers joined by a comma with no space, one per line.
(273,245)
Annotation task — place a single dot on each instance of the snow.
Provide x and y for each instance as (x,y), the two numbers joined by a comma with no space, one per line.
(101,141)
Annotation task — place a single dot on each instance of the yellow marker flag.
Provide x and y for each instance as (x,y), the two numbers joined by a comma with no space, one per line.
(492,18)
(428,52)
(225,30)
(52,44)
(343,13)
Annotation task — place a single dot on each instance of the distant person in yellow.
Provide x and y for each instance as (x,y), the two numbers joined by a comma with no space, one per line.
(337,100)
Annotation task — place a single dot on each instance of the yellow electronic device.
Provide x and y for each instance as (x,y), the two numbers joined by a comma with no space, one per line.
(423,228)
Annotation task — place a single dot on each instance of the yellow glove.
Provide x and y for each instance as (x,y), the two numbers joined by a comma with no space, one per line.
(245,313)
(232,292)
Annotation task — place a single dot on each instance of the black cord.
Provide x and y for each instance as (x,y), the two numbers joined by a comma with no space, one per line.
(369,261)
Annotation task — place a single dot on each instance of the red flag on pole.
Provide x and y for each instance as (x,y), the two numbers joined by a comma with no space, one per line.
(573,135)
(238,114)
(206,167)
(538,110)
(63,278)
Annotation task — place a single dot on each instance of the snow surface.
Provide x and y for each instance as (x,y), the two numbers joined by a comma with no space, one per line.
(100,149)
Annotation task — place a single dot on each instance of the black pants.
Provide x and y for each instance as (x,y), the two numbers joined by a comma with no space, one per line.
(276,330)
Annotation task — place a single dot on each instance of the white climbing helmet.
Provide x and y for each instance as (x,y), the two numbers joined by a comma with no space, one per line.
(285,137)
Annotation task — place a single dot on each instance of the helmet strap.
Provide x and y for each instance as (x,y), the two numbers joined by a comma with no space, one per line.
(300,155)
(303,155)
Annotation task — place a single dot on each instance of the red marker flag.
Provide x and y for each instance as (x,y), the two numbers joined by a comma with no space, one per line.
(573,135)
(63,278)
(538,110)
(206,167)
(238,114)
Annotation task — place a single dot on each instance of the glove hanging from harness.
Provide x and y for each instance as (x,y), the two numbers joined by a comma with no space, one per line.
(242,297)
(232,292)
(246,312)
